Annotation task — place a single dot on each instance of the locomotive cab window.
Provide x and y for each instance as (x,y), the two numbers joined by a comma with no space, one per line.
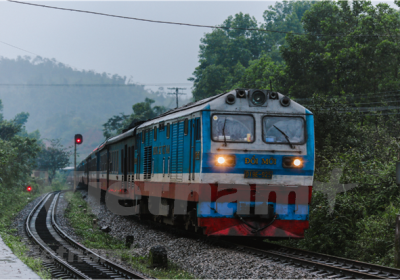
(232,128)
(279,130)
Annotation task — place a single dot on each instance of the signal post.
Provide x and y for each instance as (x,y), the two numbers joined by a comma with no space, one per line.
(78,141)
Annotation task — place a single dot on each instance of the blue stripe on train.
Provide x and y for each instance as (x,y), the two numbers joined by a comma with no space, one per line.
(228,209)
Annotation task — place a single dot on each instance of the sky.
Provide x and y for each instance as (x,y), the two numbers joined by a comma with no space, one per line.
(148,53)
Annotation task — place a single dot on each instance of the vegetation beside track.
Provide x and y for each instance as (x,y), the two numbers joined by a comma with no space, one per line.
(353,221)
(96,239)
(12,201)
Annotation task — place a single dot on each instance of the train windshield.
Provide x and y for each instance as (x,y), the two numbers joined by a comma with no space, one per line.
(282,129)
(232,128)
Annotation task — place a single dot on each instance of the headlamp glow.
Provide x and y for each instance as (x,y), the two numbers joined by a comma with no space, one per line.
(292,162)
(225,160)
(297,162)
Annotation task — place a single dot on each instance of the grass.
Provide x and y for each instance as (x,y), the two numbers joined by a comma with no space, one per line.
(12,201)
(96,239)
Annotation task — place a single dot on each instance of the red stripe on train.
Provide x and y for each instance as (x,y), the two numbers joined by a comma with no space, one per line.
(235,227)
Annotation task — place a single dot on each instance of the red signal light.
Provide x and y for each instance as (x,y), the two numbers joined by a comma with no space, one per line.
(78,139)
(29,188)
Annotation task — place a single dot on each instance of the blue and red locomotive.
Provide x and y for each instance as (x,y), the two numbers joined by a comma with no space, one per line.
(237,164)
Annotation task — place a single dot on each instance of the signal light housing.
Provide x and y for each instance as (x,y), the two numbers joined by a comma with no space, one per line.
(78,139)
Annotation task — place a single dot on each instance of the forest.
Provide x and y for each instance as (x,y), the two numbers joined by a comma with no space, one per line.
(340,60)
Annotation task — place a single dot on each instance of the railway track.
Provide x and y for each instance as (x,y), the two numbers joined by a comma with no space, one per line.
(67,258)
(325,266)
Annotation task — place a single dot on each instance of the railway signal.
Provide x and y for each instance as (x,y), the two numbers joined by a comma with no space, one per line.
(29,188)
(78,139)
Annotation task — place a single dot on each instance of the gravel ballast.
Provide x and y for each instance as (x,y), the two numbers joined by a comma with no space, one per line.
(18,222)
(195,256)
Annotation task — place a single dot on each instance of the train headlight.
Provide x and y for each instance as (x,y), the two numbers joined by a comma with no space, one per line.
(292,162)
(225,160)
(297,162)
(258,98)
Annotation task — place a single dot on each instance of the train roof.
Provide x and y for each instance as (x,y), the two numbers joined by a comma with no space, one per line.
(188,109)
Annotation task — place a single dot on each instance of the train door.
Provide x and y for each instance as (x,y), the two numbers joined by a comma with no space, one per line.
(125,161)
(191,147)
(132,162)
(108,167)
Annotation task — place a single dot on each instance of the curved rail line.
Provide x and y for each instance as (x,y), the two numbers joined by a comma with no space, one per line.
(67,258)
(326,266)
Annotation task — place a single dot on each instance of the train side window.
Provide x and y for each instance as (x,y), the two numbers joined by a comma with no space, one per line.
(186,127)
(161,126)
(155,133)
(198,129)
(142,136)
(168,130)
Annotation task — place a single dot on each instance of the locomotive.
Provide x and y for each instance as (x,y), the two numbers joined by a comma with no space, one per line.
(240,163)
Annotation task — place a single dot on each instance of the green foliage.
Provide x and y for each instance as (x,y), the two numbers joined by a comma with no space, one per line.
(340,61)
(225,54)
(261,73)
(141,111)
(82,223)
(13,200)
(94,238)
(53,158)
(17,153)
(366,148)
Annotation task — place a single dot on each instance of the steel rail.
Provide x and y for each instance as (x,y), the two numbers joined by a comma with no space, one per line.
(87,252)
(330,266)
(389,271)
(60,263)
(91,266)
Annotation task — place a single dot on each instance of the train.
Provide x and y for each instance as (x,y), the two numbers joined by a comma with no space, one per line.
(240,163)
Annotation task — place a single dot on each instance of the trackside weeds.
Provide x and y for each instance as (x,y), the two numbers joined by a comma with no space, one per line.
(191,257)
(11,227)
(109,246)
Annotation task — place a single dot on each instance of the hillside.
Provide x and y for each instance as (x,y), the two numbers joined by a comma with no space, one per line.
(63,101)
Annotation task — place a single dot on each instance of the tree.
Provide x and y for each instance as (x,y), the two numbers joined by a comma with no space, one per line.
(114,124)
(141,111)
(17,153)
(221,50)
(349,50)
(53,157)
(262,73)
(224,54)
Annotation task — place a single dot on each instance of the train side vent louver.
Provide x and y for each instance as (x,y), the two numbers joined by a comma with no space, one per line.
(147,162)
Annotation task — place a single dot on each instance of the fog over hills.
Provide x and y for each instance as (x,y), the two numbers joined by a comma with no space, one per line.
(63,101)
